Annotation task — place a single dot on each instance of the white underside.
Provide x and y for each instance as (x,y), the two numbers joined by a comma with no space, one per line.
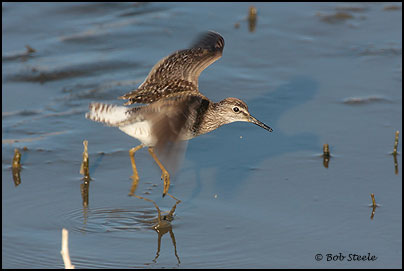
(139,130)
(117,115)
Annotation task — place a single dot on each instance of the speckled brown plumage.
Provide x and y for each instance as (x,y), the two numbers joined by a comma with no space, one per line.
(179,71)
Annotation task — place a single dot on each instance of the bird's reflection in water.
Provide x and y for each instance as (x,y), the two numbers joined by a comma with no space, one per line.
(162,224)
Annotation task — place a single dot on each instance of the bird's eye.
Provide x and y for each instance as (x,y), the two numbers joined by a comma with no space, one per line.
(236,109)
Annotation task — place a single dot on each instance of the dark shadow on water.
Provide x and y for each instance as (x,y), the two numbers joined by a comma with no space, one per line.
(93,166)
(262,145)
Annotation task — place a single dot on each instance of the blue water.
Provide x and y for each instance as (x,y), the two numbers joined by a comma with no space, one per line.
(315,72)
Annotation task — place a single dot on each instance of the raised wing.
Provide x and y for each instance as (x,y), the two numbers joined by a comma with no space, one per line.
(179,71)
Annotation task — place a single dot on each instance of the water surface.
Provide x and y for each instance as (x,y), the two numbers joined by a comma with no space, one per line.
(315,72)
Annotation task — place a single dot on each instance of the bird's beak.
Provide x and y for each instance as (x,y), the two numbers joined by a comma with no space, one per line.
(260,124)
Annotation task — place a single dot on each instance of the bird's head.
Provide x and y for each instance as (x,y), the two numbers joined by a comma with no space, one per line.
(233,109)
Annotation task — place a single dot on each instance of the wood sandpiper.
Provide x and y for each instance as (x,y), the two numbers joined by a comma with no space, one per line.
(174,109)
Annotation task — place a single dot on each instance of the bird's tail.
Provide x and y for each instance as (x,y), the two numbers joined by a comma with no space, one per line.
(108,114)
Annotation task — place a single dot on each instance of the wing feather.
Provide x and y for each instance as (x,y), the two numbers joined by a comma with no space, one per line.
(178,72)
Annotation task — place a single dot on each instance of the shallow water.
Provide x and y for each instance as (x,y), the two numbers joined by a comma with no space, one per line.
(316,73)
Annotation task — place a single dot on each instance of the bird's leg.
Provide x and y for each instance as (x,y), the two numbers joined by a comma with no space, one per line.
(135,176)
(164,173)
(171,213)
(174,244)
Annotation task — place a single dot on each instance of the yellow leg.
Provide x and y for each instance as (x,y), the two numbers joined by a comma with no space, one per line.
(164,173)
(135,176)
(171,213)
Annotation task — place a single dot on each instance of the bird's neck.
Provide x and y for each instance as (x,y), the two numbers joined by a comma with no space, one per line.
(209,118)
